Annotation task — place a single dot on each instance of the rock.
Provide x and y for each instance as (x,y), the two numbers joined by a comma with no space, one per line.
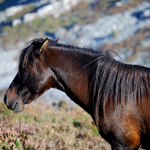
(29,17)
(46,10)
(16,22)
(55,9)
(146,13)
(13,10)
(2,17)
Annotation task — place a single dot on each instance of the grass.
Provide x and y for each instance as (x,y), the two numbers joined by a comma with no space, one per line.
(41,126)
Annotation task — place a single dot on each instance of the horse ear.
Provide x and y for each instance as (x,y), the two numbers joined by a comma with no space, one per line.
(45,45)
(57,40)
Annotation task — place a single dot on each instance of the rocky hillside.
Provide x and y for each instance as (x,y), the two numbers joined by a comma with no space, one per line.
(119,25)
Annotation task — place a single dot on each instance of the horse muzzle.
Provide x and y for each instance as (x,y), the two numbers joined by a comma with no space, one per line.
(15,105)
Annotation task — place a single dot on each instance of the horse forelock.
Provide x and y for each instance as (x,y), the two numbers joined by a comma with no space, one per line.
(27,57)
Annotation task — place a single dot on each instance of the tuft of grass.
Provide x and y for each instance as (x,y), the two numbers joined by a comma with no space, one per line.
(18,144)
(76,123)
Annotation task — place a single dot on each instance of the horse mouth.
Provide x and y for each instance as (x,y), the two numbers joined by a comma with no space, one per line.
(18,107)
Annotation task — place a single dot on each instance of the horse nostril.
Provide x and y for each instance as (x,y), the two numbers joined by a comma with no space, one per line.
(15,104)
(5,99)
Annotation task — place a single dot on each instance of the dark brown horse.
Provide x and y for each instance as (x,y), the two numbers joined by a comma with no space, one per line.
(116,95)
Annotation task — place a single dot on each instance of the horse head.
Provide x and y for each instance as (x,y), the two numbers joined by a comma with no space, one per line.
(33,78)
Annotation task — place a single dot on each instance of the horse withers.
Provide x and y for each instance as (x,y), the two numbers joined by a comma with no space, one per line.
(116,95)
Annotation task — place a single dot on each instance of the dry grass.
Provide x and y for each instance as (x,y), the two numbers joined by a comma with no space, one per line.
(42,127)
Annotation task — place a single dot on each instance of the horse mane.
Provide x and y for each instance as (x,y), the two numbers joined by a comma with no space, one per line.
(27,55)
(113,82)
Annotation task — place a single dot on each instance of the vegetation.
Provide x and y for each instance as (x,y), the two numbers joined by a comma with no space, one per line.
(42,127)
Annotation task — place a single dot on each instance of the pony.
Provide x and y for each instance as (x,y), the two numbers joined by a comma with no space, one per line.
(115,94)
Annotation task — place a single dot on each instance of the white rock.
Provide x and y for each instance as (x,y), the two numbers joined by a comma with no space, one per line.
(119,4)
(48,9)
(2,17)
(67,4)
(16,22)
(56,8)
(13,10)
(61,32)
(146,13)
(29,17)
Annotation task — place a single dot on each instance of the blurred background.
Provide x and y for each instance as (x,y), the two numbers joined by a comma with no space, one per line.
(119,25)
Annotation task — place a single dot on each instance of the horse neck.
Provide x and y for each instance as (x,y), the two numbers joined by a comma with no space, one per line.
(68,67)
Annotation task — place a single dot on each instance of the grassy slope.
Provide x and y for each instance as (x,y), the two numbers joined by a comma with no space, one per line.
(41,126)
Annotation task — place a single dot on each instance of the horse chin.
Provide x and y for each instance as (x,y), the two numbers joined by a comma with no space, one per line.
(19,107)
